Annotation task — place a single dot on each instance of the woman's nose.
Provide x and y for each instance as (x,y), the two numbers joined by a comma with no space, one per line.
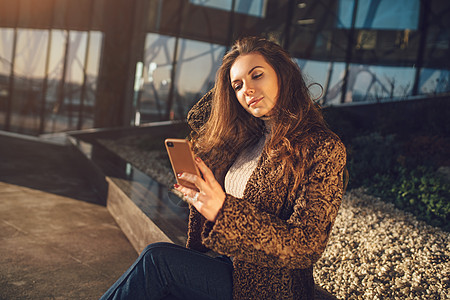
(248,90)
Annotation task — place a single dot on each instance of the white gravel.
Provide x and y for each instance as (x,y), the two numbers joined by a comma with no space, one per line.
(375,252)
(379,252)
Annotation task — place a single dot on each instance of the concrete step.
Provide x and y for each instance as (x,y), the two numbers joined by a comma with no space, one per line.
(139,204)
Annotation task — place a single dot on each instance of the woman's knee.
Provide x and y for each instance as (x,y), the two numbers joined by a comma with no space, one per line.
(157,245)
(158,249)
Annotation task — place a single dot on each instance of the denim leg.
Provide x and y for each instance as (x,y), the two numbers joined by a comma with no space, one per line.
(169,271)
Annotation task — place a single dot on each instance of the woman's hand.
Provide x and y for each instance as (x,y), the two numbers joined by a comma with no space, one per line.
(210,199)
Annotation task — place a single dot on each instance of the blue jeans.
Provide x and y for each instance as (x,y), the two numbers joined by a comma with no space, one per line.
(168,271)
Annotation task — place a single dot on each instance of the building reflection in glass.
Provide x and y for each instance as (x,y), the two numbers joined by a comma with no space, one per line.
(48,79)
(358,51)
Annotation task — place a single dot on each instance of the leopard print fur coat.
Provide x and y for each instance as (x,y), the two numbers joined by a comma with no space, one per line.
(273,237)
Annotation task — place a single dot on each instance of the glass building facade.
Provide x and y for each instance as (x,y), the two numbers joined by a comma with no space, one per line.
(77,64)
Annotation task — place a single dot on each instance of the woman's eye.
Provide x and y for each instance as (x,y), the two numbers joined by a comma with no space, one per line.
(256,76)
(236,87)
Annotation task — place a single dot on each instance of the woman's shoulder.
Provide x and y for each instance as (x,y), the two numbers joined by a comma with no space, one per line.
(199,113)
(319,141)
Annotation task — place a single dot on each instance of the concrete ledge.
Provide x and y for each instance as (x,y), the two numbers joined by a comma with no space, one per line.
(139,204)
(136,226)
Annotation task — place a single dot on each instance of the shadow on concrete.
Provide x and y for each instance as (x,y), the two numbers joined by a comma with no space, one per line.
(56,241)
(44,166)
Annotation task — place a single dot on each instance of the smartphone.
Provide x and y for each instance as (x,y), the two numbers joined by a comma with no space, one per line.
(182,160)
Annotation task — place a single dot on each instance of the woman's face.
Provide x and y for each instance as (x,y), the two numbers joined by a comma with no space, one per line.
(255,84)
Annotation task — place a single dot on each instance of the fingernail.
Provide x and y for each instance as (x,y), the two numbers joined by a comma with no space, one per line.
(176,185)
(178,174)
(198,159)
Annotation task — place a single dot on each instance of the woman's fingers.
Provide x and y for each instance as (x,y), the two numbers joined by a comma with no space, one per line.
(206,172)
(208,180)
(194,179)
(211,196)
(187,192)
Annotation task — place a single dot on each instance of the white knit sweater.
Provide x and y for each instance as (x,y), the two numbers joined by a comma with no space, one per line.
(243,167)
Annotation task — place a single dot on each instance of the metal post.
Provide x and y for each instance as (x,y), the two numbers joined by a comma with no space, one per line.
(288,23)
(83,85)
(60,100)
(86,61)
(11,84)
(174,63)
(423,27)
(47,68)
(231,27)
(9,101)
(327,84)
(45,85)
(348,55)
(172,79)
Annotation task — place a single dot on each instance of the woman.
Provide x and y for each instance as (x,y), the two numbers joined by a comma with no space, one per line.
(270,189)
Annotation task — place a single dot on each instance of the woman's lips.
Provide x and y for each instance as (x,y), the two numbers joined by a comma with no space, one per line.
(253,102)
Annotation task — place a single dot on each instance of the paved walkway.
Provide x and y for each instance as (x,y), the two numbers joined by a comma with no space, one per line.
(56,240)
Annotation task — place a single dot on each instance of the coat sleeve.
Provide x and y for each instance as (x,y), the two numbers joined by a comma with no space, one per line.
(195,227)
(196,118)
(248,234)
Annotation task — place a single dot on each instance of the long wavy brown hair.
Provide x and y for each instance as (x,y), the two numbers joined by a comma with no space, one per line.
(230,128)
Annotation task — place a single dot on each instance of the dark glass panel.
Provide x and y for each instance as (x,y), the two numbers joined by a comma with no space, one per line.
(35,14)
(9,11)
(312,30)
(437,42)
(204,24)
